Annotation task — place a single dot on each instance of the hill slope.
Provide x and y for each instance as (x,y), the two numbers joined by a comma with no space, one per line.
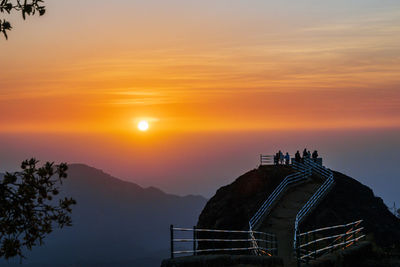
(349,200)
(115,223)
(233,205)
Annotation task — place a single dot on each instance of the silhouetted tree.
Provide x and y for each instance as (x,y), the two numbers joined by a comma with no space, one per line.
(398,213)
(25,7)
(28,210)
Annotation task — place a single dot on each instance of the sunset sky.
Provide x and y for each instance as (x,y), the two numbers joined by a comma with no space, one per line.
(90,70)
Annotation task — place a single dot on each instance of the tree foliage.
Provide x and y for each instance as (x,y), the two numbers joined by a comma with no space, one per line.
(25,7)
(28,208)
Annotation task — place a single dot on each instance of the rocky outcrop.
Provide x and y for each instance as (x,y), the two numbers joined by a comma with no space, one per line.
(223,261)
(233,205)
(349,200)
(363,254)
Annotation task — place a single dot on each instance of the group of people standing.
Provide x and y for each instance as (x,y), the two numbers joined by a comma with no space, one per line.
(280,158)
(306,155)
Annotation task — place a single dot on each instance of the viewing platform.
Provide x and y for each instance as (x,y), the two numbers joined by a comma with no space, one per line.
(276,227)
(269,160)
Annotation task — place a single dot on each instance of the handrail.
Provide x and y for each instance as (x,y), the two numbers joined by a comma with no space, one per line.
(347,243)
(303,173)
(274,195)
(220,231)
(316,197)
(267,239)
(331,237)
(219,240)
(266,159)
(267,205)
(254,243)
(312,248)
(218,249)
(356,223)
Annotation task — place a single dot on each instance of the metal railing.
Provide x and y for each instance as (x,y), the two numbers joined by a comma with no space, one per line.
(303,173)
(261,243)
(266,159)
(244,242)
(315,243)
(316,197)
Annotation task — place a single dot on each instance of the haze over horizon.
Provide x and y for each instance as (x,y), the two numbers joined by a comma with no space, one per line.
(218,82)
(199,163)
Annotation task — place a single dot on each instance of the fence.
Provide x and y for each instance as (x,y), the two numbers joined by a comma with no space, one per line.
(266,243)
(266,159)
(302,174)
(315,243)
(316,197)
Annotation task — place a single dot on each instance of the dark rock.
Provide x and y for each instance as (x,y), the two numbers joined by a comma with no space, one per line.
(233,205)
(223,261)
(348,201)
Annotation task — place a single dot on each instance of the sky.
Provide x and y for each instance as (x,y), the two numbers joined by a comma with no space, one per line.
(218,81)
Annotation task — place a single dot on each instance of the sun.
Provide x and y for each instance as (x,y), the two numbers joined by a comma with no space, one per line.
(143,126)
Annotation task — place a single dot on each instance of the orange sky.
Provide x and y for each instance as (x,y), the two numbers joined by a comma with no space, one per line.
(189,66)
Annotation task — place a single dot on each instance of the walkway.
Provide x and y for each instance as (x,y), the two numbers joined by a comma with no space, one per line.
(282,217)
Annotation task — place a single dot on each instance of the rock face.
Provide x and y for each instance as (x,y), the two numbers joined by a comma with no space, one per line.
(348,201)
(233,205)
(223,261)
(362,254)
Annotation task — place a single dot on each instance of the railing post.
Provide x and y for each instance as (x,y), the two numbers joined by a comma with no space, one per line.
(306,241)
(194,240)
(344,240)
(315,245)
(297,248)
(171,230)
(265,241)
(355,238)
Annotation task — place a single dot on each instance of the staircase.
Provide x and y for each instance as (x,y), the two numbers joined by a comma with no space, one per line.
(282,217)
(289,204)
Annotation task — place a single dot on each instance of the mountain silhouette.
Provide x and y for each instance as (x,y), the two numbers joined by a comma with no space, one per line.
(115,223)
(233,205)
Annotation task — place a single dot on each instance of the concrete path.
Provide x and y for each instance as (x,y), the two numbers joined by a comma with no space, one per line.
(281,219)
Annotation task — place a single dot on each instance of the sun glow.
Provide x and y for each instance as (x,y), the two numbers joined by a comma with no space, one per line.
(143,126)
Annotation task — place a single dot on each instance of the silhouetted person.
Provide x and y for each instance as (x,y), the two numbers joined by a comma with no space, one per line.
(281,157)
(305,153)
(297,156)
(315,155)
(287,158)
(276,159)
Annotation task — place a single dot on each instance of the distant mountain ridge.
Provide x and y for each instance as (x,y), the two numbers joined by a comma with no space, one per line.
(115,222)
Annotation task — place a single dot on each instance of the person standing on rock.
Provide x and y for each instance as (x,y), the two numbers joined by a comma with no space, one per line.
(305,154)
(287,158)
(297,156)
(281,157)
(315,155)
